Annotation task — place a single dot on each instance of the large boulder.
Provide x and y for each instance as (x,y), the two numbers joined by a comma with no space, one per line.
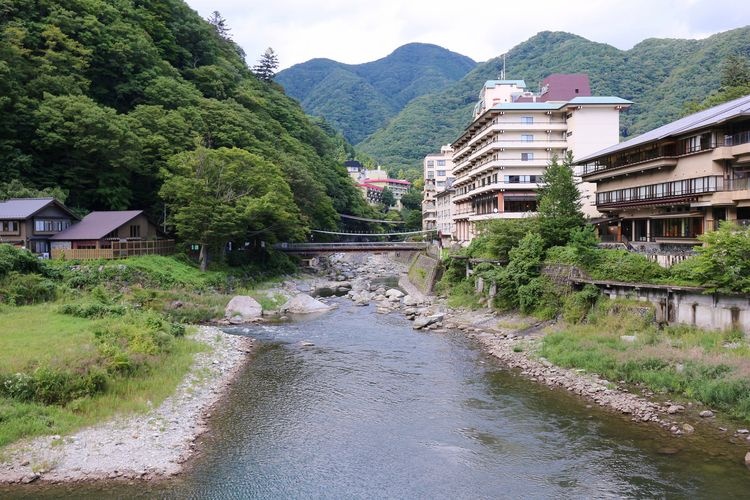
(242,309)
(304,304)
(394,293)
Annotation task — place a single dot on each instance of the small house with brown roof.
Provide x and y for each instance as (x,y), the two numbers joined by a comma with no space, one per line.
(31,222)
(111,234)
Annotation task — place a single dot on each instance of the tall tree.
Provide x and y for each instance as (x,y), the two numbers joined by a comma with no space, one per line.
(220,25)
(216,196)
(267,65)
(559,206)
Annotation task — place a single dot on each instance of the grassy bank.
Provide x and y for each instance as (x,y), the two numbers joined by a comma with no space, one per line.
(619,340)
(82,341)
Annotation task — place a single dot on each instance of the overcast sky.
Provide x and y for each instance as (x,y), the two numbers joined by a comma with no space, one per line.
(353,31)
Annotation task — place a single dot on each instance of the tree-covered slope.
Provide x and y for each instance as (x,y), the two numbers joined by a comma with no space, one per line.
(659,76)
(360,98)
(96,96)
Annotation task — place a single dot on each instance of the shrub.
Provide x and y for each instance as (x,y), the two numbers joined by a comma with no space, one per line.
(625,266)
(53,386)
(539,297)
(578,305)
(24,289)
(19,260)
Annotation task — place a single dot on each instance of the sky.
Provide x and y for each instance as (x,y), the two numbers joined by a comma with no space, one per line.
(353,31)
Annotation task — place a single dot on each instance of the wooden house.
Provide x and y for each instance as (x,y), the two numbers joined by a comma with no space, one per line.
(32,222)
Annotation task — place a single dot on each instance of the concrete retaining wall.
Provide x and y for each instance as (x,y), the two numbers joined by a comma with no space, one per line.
(423,272)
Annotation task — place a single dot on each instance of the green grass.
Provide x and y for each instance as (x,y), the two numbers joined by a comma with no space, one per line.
(35,335)
(680,361)
(462,295)
(123,395)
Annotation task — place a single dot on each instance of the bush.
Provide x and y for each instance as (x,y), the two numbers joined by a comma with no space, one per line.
(14,259)
(53,386)
(578,305)
(625,266)
(24,289)
(539,297)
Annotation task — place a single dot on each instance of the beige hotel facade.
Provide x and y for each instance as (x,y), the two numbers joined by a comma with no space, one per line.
(501,156)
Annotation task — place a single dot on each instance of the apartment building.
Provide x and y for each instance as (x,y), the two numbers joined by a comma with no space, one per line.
(444,215)
(500,158)
(372,182)
(663,189)
(438,173)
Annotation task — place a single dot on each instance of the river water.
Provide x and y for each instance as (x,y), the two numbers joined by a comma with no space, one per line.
(375,409)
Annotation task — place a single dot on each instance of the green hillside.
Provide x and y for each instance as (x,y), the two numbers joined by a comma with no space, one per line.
(659,76)
(96,96)
(359,99)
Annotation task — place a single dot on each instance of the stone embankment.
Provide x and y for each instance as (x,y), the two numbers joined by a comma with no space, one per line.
(148,446)
(509,338)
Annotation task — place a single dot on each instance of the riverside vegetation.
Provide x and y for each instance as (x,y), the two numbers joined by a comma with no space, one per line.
(617,339)
(81,342)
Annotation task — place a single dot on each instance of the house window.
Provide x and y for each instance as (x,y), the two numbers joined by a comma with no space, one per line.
(111,235)
(527,156)
(527,138)
(135,231)
(9,226)
(527,119)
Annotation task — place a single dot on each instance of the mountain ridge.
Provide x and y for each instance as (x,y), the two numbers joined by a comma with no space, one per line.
(411,70)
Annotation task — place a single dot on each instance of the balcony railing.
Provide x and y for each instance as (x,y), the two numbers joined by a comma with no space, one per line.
(662,191)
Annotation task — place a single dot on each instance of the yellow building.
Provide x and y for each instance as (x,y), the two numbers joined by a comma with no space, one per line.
(663,189)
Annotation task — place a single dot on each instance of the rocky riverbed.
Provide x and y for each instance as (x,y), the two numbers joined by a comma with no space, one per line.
(148,446)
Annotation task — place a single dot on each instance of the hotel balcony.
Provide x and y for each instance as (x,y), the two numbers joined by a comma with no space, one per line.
(731,147)
(518,126)
(494,187)
(678,192)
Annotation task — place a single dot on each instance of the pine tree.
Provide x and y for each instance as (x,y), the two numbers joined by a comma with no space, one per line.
(559,204)
(267,65)
(220,25)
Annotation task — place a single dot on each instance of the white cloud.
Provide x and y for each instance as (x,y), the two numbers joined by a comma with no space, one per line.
(353,31)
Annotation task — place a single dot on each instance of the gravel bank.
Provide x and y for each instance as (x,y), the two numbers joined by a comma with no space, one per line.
(149,446)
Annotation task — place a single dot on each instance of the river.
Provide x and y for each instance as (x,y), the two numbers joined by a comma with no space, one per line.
(375,409)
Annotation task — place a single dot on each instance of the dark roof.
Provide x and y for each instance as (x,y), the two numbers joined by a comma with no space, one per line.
(565,86)
(97,225)
(700,120)
(23,208)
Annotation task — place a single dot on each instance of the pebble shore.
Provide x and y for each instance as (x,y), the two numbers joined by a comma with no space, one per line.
(147,446)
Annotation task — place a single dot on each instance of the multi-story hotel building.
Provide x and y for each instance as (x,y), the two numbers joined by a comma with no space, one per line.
(444,215)
(663,189)
(501,156)
(438,173)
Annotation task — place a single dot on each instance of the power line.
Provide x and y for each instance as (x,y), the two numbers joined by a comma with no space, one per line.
(372,220)
(320,231)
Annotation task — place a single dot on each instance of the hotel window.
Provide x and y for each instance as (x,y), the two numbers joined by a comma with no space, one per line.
(527,156)
(430,175)
(441,163)
(527,119)
(527,138)
(441,173)
(430,163)
(135,231)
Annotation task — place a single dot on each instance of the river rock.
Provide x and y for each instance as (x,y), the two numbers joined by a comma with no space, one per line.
(394,293)
(304,304)
(747,459)
(424,321)
(242,309)
(410,301)
(675,409)
(706,414)
(688,429)
(628,339)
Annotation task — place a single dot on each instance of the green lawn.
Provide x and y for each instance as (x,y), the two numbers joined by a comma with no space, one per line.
(37,336)
(31,336)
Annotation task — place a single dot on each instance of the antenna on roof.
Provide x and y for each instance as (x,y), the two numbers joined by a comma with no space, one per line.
(502,72)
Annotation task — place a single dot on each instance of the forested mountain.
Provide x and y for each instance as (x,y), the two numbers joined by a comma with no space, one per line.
(659,75)
(358,99)
(97,96)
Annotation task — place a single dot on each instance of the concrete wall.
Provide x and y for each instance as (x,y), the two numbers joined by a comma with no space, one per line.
(423,272)
(688,307)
